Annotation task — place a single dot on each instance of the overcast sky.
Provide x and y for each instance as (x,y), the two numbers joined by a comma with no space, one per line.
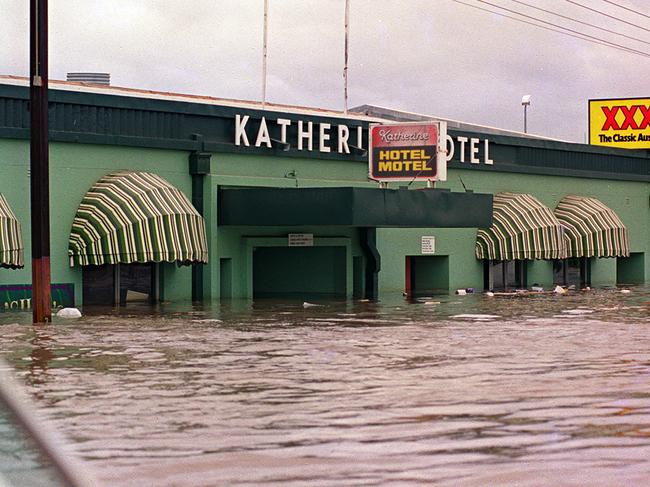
(437,57)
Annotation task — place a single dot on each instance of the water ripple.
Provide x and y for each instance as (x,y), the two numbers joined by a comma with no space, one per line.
(508,390)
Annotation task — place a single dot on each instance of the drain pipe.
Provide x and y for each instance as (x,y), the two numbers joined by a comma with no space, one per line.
(373,262)
(199,168)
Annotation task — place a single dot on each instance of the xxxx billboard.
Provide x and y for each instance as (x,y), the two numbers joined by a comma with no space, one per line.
(623,123)
(408,151)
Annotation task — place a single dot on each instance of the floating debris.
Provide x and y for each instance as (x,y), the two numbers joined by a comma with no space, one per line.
(577,311)
(69,313)
(471,316)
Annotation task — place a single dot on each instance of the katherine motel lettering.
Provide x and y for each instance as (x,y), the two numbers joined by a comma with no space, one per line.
(309,136)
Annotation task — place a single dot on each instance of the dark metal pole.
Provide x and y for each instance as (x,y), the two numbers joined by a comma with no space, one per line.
(39,176)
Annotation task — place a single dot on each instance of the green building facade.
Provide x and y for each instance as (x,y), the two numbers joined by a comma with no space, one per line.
(288,207)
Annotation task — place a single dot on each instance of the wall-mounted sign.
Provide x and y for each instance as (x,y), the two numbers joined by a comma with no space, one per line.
(623,123)
(428,245)
(19,296)
(469,149)
(408,151)
(303,135)
(301,240)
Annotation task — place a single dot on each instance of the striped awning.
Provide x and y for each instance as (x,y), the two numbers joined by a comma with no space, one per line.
(522,228)
(594,229)
(12,252)
(136,217)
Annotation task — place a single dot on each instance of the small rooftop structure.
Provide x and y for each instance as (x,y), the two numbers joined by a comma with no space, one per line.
(103,79)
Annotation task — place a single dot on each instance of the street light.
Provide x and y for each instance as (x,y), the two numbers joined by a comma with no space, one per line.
(525,102)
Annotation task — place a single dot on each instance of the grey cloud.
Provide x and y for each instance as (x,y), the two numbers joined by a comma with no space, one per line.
(435,57)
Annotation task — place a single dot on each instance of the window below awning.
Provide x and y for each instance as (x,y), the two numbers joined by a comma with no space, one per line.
(12,250)
(593,229)
(131,217)
(522,228)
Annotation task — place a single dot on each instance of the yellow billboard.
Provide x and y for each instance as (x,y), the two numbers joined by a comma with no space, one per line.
(623,123)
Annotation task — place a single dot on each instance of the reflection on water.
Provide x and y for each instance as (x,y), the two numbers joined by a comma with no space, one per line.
(458,390)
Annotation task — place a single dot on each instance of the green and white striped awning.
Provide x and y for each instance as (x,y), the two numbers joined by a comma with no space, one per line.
(594,229)
(136,217)
(12,252)
(522,228)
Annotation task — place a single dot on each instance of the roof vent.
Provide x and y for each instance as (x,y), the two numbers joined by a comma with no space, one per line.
(91,78)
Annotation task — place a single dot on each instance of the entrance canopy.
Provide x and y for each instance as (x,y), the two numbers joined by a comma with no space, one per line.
(594,230)
(523,228)
(360,207)
(12,252)
(136,217)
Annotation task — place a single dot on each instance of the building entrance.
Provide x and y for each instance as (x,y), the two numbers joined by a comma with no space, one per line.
(427,275)
(299,272)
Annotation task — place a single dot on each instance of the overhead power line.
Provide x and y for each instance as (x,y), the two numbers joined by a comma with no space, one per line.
(636,12)
(627,48)
(581,22)
(607,15)
(577,36)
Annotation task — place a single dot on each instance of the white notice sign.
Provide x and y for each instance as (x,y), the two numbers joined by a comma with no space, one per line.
(428,245)
(301,240)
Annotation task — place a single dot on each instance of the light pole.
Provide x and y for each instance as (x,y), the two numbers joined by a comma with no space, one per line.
(525,102)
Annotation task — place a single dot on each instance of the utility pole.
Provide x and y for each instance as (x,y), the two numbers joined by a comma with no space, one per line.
(345,56)
(265,43)
(39,165)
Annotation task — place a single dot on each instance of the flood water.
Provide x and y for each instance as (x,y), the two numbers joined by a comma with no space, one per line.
(451,390)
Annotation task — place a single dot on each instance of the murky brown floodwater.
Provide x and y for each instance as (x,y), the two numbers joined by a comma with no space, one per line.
(538,390)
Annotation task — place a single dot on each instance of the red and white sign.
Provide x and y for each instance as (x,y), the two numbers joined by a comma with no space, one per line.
(408,151)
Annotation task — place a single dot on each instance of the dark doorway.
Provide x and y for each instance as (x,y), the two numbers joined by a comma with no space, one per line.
(504,275)
(427,274)
(575,271)
(225,277)
(99,285)
(631,270)
(289,272)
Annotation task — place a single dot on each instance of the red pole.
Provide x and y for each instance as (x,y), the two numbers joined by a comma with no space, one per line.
(39,156)
(408,276)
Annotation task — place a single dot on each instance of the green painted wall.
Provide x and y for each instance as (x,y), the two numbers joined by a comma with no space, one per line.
(75,167)
(630,200)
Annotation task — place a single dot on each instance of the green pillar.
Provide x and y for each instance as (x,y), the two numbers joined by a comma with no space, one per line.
(199,168)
